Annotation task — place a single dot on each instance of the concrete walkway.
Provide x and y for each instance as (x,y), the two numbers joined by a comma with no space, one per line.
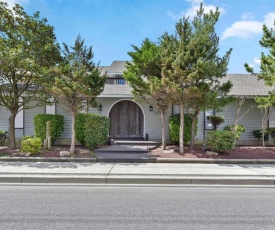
(137,174)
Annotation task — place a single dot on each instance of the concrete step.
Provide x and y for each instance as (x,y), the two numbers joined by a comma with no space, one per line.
(136,143)
(125,149)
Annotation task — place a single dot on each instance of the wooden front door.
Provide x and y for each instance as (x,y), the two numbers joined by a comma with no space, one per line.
(126,120)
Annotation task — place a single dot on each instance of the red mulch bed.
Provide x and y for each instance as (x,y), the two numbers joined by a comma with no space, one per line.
(80,152)
(241,152)
(244,152)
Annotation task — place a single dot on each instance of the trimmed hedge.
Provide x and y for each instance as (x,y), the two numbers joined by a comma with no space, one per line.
(174,128)
(32,145)
(40,126)
(220,141)
(92,129)
(79,127)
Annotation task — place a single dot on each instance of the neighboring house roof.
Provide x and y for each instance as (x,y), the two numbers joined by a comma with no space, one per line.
(247,85)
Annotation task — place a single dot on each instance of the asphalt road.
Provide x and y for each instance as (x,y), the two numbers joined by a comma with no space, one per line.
(59,207)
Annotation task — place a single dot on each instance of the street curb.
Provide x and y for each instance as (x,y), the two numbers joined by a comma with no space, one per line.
(48,159)
(215,161)
(134,180)
(158,160)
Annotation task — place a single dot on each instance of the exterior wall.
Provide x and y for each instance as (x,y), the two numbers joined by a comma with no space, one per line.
(251,121)
(152,119)
(4,118)
(29,115)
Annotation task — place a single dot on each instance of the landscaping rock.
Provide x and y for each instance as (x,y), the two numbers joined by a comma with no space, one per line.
(210,153)
(168,151)
(64,153)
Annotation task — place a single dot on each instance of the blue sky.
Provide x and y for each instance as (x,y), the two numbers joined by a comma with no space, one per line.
(111,26)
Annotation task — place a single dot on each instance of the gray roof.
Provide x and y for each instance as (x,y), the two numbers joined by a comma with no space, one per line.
(115,67)
(116,90)
(243,84)
(247,85)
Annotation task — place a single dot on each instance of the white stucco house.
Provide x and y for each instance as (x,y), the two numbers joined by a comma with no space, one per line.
(130,119)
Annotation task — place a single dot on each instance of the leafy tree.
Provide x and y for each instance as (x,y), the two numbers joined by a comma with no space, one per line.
(192,63)
(145,77)
(267,73)
(77,80)
(27,45)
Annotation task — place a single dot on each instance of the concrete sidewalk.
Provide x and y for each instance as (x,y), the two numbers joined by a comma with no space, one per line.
(137,174)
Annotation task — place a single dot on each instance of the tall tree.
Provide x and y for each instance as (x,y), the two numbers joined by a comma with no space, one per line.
(193,62)
(267,73)
(27,46)
(144,76)
(77,80)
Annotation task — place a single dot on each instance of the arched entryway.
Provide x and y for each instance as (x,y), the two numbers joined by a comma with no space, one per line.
(126,120)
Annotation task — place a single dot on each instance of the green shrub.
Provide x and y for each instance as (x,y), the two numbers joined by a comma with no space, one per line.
(258,134)
(32,145)
(91,130)
(3,136)
(40,126)
(26,137)
(174,128)
(239,130)
(271,132)
(220,141)
(215,121)
(79,127)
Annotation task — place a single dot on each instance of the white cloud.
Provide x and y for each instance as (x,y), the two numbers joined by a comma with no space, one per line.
(243,29)
(269,19)
(247,28)
(192,12)
(257,61)
(11,3)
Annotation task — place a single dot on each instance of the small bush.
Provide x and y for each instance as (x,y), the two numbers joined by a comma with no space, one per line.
(32,145)
(220,141)
(26,137)
(239,130)
(271,132)
(258,134)
(91,129)
(174,128)
(215,121)
(40,126)
(3,136)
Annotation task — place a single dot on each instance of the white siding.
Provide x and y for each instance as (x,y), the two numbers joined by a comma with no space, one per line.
(29,115)
(251,121)
(61,109)
(50,109)
(4,118)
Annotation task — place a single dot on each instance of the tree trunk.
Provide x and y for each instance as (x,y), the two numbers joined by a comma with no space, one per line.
(193,132)
(181,128)
(163,125)
(73,133)
(12,142)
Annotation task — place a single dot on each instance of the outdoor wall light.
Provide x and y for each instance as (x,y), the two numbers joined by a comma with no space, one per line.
(100,107)
(151,108)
